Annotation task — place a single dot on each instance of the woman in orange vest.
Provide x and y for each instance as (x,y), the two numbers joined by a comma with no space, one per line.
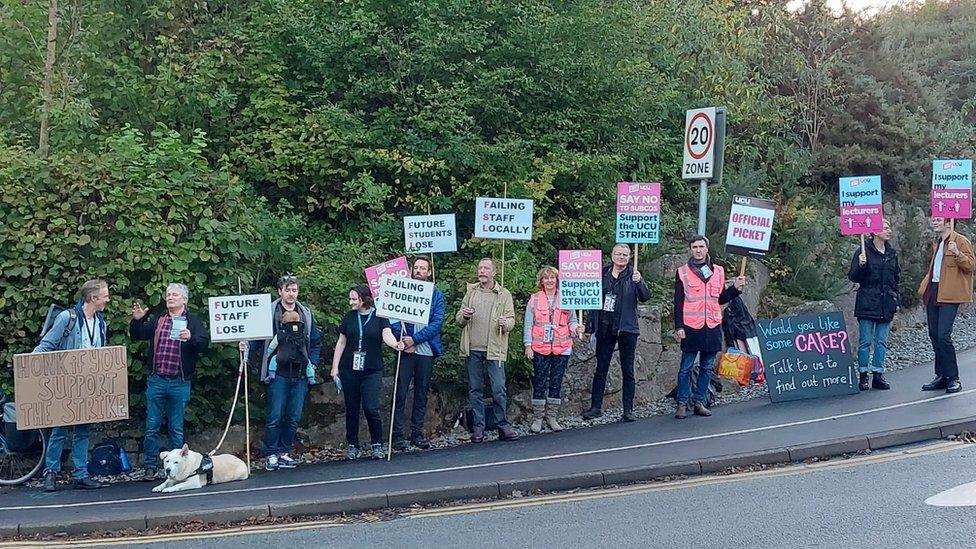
(548,339)
(699,293)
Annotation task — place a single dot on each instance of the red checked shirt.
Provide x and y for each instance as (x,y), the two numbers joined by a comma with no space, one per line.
(166,356)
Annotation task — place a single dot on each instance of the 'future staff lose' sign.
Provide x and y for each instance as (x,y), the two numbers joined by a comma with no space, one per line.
(240,317)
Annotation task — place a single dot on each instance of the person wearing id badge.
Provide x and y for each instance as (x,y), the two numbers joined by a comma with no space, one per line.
(357,362)
(548,338)
(615,326)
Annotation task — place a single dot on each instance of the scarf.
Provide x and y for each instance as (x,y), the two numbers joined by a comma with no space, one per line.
(702,269)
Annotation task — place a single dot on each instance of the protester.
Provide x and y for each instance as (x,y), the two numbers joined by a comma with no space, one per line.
(699,293)
(486,317)
(176,339)
(876,273)
(948,282)
(288,385)
(81,327)
(357,364)
(548,338)
(616,326)
(422,346)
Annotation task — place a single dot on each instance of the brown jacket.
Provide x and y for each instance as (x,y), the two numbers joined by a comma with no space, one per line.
(503,308)
(956,282)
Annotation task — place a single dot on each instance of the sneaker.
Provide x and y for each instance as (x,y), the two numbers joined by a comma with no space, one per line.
(272,463)
(420,442)
(88,483)
(149,474)
(376,452)
(50,481)
(352,452)
(287,462)
(400,445)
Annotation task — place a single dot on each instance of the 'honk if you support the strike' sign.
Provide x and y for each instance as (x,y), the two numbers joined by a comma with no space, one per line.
(405,299)
(503,218)
(240,317)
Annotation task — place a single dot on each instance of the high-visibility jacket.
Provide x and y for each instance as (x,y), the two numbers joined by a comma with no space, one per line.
(701,306)
(542,315)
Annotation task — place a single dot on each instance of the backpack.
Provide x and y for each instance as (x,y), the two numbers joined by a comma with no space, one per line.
(106,459)
(52,313)
(292,350)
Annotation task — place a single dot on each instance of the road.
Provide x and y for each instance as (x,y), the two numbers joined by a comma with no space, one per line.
(876,500)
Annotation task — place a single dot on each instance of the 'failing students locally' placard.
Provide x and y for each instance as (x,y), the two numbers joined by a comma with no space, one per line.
(952,188)
(638,212)
(393,267)
(503,218)
(860,205)
(750,226)
(405,299)
(424,234)
(240,317)
(580,279)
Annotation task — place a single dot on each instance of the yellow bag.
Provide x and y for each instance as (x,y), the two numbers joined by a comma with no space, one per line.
(738,366)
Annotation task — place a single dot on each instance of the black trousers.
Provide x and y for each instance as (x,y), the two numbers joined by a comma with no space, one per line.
(418,369)
(605,343)
(362,389)
(941,317)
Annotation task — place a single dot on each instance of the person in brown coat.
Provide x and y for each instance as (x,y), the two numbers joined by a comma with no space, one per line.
(948,283)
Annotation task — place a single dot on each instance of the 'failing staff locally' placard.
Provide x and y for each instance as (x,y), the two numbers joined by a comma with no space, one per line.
(240,317)
(750,226)
(405,299)
(580,279)
(638,212)
(503,218)
(952,188)
(424,234)
(394,267)
(860,205)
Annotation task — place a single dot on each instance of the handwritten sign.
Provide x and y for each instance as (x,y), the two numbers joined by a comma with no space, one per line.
(750,226)
(405,299)
(393,267)
(240,317)
(952,188)
(503,218)
(71,387)
(580,279)
(638,212)
(424,234)
(860,205)
(807,356)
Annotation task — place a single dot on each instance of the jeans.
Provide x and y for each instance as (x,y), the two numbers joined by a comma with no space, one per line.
(872,331)
(169,396)
(286,397)
(477,364)
(605,343)
(79,450)
(362,389)
(547,375)
(705,370)
(940,318)
(418,369)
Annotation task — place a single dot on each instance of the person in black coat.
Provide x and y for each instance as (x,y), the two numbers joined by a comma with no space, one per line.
(876,273)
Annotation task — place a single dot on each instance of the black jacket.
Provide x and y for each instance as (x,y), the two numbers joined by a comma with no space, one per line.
(737,322)
(630,294)
(145,330)
(877,291)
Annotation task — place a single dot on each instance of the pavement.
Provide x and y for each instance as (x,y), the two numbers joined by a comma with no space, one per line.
(752,432)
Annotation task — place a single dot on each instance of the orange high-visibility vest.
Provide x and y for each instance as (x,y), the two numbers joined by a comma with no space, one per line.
(701,306)
(561,339)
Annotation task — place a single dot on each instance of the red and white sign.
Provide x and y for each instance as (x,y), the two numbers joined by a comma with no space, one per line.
(699,156)
(394,267)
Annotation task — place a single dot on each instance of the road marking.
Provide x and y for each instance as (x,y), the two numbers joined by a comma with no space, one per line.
(489,464)
(963,495)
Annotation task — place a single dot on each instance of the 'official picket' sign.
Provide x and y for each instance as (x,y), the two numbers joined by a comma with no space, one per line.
(750,226)
(240,317)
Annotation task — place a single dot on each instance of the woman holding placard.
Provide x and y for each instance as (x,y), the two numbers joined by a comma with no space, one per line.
(548,339)
(876,272)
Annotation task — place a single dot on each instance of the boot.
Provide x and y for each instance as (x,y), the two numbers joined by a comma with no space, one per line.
(864,385)
(878,382)
(701,410)
(538,411)
(552,413)
(681,412)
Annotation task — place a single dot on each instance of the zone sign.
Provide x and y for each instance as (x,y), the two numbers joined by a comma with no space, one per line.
(699,157)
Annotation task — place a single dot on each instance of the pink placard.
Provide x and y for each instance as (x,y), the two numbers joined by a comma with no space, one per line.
(855,220)
(638,198)
(580,264)
(393,267)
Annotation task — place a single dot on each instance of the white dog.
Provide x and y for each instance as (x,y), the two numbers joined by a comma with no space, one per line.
(187,470)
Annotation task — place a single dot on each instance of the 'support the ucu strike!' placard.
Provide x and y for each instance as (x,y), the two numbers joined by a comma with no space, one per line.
(423,234)
(394,267)
(638,212)
(952,188)
(860,205)
(580,279)
(750,226)
(405,299)
(503,218)
(240,317)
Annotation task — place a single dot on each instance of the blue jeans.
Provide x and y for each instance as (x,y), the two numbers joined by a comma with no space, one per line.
(79,450)
(706,367)
(477,364)
(169,396)
(547,378)
(286,397)
(871,331)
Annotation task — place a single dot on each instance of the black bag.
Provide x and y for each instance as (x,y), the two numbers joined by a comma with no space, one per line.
(467,417)
(52,313)
(105,459)
(17,441)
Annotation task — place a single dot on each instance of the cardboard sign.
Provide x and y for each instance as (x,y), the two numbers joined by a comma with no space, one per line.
(424,234)
(952,188)
(860,205)
(638,212)
(393,267)
(807,356)
(405,299)
(240,317)
(699,155)
(503,218)
(580,279)
(71,387)
(750,226)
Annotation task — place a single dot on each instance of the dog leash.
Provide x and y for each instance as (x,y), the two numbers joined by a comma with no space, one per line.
(233,406)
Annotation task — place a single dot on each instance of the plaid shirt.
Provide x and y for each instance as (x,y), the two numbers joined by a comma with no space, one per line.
(166,356)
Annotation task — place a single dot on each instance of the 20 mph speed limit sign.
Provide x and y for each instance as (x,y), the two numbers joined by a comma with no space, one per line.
(699,158)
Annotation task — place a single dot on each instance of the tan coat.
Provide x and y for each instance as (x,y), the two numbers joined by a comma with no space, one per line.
(956,282)
(497,338)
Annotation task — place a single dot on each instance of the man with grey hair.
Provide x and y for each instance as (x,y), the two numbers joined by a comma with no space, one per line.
(176,338)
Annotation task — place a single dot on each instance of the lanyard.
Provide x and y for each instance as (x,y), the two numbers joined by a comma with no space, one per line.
(91,333)
(359,318)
